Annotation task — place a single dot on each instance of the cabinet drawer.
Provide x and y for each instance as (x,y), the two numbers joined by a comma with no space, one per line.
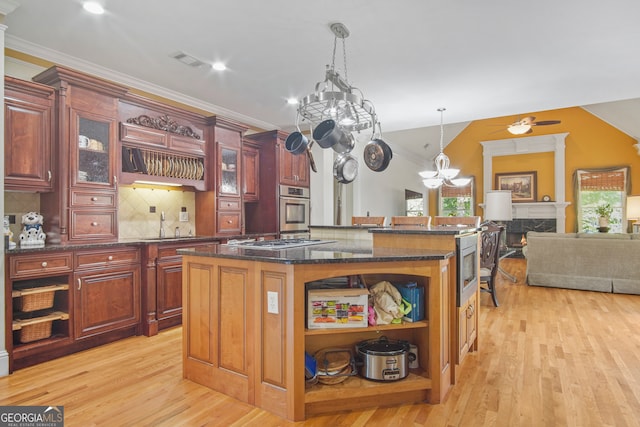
(92,198)
(89,224)
(229,222)
(142,135)
(228,204)
(107,257)
(186,144)
(41,264)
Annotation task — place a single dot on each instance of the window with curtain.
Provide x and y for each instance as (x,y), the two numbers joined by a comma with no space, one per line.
(596,187)
(456,201)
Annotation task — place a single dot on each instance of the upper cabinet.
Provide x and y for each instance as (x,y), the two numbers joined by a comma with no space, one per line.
(29,119)
(83,205)
(294,168)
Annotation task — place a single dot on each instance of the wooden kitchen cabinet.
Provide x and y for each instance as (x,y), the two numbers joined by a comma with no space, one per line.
(294,168)
(467,327)
(220,212)
(38,307)
(29,119)
(106,291)
(251,173)
(87,110)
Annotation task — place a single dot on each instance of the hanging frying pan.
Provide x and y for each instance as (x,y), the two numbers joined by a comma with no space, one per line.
(345,168)
(377,155)
(312,162)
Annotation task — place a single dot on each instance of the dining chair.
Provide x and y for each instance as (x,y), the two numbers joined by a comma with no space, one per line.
(368,220)
(490,257)
(455,220)
(422,221)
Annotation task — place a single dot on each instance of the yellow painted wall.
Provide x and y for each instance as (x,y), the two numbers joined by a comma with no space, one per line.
(591,143)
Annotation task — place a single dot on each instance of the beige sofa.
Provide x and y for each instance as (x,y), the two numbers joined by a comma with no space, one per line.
(603,262)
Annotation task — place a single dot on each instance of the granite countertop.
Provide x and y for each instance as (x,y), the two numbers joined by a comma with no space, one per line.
(129,241)
(433,230)
(344,227)
(340,251)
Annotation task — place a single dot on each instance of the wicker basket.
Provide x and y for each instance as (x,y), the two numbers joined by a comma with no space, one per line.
(35,331)
(37,301)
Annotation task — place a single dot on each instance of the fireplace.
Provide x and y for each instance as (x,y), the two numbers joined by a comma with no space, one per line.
(516,232)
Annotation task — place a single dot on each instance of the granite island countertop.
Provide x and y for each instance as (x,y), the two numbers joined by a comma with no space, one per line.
(432,230)
(336,251)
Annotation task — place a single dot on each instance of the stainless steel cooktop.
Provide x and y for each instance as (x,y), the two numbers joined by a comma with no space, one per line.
(278,243)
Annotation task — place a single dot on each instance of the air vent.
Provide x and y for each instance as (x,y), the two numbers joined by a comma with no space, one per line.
(188,59)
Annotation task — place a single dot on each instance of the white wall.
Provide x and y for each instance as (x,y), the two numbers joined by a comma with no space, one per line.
(378,193)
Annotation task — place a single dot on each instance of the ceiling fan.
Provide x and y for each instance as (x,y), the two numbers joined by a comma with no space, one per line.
(524,125)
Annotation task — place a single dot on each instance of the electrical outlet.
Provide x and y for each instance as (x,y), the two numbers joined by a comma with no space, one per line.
(272,302)
(184,216)
(152,209)
(12,219)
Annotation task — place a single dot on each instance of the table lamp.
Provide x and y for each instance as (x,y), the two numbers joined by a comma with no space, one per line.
(633,212)
(497,205)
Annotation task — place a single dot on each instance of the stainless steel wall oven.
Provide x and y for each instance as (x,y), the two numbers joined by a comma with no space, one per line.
(294,209)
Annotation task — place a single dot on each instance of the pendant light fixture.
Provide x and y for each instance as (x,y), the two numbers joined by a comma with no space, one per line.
(443,175)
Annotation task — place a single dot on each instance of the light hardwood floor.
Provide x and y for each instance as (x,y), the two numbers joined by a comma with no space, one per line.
(548,357)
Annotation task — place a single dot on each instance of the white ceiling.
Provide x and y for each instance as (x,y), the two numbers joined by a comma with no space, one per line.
(479,59)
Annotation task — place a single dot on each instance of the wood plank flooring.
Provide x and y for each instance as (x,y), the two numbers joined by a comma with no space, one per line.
(548,357)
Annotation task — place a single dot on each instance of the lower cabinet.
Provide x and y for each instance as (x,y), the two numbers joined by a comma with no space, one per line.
(61,302)
(467,327)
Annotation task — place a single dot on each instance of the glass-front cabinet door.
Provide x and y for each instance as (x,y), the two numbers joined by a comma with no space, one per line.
(229,182)
(94,139)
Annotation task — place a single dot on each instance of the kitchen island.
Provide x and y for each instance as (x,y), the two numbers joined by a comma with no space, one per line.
(245,335)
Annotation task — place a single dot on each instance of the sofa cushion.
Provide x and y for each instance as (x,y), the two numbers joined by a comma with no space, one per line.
(604,236)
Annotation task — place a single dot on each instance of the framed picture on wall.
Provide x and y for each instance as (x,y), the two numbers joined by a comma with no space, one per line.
(523,185)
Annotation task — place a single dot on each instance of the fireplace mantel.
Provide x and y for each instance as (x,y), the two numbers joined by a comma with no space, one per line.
(526,145)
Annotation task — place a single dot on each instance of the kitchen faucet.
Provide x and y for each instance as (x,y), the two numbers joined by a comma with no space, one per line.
(162,225)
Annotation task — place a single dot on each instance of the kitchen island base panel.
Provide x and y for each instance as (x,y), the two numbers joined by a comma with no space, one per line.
(270,342)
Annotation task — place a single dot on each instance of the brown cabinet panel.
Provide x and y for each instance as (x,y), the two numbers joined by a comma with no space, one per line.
(229,222)
(251,173)
(186,144)
(106,258)
(225,204)
(90,198)
(294,168)
(142,135)
(169,291)
(93,225)
(106,301)
(29,115)
(40,264)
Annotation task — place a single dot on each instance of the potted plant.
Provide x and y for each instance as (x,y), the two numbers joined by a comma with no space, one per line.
(604,213)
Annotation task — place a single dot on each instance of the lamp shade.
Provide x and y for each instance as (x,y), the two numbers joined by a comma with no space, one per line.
(633,207)
(497,205)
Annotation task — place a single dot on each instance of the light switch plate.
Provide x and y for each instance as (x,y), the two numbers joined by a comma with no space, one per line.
(272,302)
(184,216)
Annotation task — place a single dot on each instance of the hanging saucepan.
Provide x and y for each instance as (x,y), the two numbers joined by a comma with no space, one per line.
(377,155)
(345,168)
(329,135)
(296,143)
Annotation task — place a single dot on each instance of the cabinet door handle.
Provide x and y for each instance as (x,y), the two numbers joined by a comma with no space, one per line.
(229,222)
(470,310)
(44,264)
(94,199)
(79,284)
(110,258)
(94,224)
(49,176)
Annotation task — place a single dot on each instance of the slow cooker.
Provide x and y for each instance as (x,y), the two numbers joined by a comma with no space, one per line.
(383,359)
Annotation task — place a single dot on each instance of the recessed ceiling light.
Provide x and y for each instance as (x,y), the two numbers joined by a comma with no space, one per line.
(292,101)
(219,66)
(93,7)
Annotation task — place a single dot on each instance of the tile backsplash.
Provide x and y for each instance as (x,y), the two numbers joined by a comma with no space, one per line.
(134,218)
